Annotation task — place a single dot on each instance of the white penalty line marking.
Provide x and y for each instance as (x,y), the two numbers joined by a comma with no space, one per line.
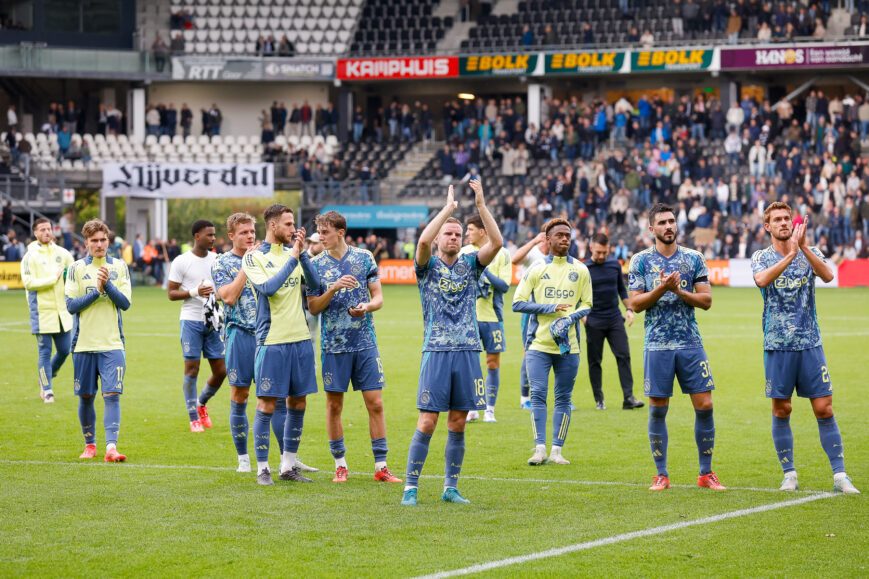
(623,537)
(426,476)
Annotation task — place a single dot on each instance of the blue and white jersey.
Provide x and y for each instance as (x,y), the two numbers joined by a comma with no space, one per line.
(339,331)
(790,319)
(449,303)
(670,323)
(242,315)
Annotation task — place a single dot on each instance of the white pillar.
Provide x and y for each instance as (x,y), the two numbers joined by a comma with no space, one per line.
(534,98)
(136,114)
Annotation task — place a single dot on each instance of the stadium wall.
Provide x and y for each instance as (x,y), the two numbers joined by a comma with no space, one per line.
(240,103)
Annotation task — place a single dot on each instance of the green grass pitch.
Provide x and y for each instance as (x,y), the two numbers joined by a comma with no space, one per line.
(178,508)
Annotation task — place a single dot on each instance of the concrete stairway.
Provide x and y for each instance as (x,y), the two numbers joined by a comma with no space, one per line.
(406,170)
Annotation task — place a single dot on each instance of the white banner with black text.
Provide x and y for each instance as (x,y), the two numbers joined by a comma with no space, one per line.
(188,180)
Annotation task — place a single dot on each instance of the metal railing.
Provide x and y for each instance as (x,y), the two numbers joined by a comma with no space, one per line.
(33,58)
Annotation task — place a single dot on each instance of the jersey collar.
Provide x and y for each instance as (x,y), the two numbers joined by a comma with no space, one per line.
(552,259)
(98,262)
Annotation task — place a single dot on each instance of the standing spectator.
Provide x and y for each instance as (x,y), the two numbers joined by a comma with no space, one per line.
(12,117)
(678,28)
(152,121)
(65,223)
(275,117)
(331,117)
(177,45)
(6,219)
(161,51)
(215,120)
(205,118)
(358,124)
(295,119)
(171,119)
(527,36)
(64,140)
(24,150)
(12,143)
(734,25)
(102,119)
(70,118)
(186,120)
(306,116)
(863,116)
(15,250)
(286,47)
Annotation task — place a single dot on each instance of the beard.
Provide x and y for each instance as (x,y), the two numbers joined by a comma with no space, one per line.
(664,240)
(780,237)
(283,240)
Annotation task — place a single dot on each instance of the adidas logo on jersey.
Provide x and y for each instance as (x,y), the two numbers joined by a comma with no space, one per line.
(545,276)
(87,276)
(269,265)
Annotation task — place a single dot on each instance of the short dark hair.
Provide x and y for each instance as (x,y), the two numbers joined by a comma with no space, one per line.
(600,239)
(476,221)
(199,225)
(331,219)
(39,222)
(555,222)
(274,212)
(659,208)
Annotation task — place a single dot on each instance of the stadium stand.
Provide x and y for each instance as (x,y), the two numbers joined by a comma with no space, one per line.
(390,26)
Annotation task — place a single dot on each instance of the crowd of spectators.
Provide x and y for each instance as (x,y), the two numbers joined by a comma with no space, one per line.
(268,46)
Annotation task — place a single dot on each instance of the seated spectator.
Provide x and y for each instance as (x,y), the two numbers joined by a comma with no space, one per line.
(527,36)
(820,31)
(634,35)
(587,35)
(286,47)
(178,45)
(647,40)
(268,134)
(764,33)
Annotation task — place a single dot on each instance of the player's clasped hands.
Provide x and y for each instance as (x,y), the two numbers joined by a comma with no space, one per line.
(102,278)
(671,282)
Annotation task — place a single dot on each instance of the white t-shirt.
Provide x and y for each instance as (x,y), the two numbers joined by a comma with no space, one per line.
(190,271)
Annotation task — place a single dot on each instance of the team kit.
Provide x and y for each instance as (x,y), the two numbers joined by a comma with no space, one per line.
(250,313)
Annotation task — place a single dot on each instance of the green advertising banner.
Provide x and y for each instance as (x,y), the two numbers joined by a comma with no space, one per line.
(497,64)
(671,60)
(584,62)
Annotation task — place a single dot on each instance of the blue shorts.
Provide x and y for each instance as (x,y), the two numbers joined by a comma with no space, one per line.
(283,370)
(492,336)
(363,368)
(690,366)
(196,340)
(240,353)
(108,366)
(805,370)
(451,381)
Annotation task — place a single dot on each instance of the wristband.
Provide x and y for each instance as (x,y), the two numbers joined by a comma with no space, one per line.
(194,292)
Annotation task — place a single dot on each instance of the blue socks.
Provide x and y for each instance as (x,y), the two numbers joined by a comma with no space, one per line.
(493,382)
(87,416)
(560,424)
(207,394)
(189,388)
(279,421)
(831,441)
(783,439)
(704,434)
(524,385)
(337,448)
(379,448)
(658,437)
(112,417)
(454,454)
(416,456)
(261,435)
(293,430)
(239,426)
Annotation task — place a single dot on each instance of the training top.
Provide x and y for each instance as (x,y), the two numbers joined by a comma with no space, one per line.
(97,324)
(555,280)
(449,295)
(190,270)
(494,283)
(276,278)
(339,331)
(670,323)
(242,315)
(609,289)
(790,317)
(45,298)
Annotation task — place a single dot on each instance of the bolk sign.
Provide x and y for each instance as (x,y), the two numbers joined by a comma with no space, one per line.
(674,60)
(584,62)
(497,64)
(795,57)
(180,180)
(394,68)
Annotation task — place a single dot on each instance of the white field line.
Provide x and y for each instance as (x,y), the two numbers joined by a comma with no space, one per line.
(622,538)
(426,476)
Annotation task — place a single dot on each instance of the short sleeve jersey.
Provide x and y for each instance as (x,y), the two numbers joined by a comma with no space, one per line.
(242,314)
(790,319)
(279,317)
(490,308)
(449,295)
(670,323)
(339,331)
(190,271)
(97,328)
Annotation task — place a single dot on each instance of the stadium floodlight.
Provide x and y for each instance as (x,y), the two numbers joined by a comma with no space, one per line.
(466,96)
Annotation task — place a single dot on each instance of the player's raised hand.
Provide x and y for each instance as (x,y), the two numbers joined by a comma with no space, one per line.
(800,234)
(477,187)
(102,278)
(794,241)
(256,245)
(452,204)
(540,238)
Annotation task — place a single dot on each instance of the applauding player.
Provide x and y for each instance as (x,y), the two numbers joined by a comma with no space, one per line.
(668,281)
(793,356)
(450,379)
(349,291)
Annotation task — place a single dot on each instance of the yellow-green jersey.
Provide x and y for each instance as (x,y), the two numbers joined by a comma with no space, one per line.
(276,278)
(494,283)
(96,323)
(39,274)
(557,280)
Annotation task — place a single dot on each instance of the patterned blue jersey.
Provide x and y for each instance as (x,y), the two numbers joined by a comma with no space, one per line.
(243,314)
(449,303)
(790,319)
(339,331)
(670,323)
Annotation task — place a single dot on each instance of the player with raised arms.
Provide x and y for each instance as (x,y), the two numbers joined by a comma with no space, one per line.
(190,281)
(556,293)
(793,356)
(284,359)
(494,283)
(348,293)
(42,276)
(668,281)
(98,289)
(450,378)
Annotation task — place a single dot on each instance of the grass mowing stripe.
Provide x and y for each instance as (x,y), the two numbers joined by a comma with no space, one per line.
(622,537)
(97,464)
